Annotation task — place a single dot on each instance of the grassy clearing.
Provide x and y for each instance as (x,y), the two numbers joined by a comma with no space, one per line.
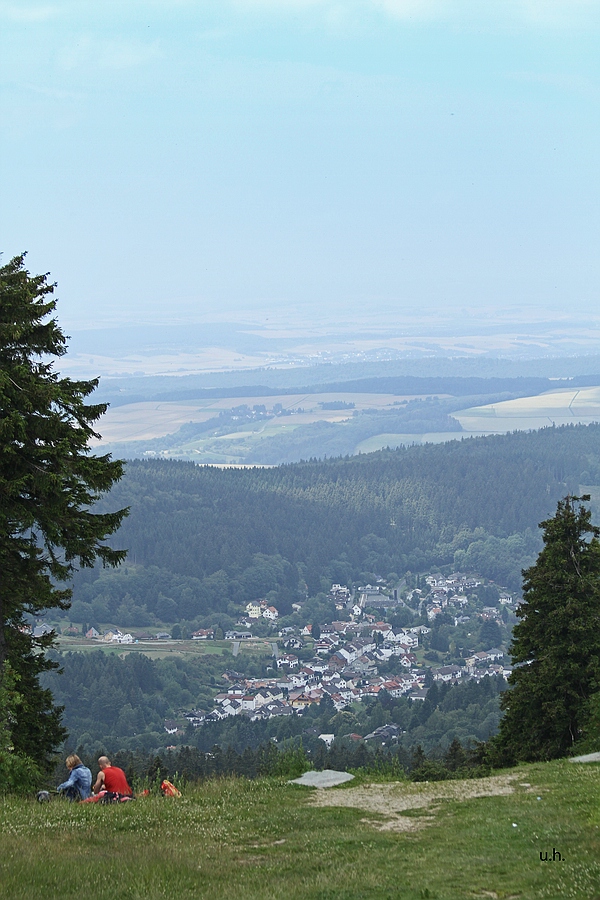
(160,650)
(267,839)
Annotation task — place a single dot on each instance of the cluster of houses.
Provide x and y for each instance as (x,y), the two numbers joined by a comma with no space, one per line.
(445,594)
(449,594)
(479,665)
(259,698)
(349,673)
(258,609)
(112,636)
(92,634)
(115,636)
(347,656)
(377,642)
(340,595)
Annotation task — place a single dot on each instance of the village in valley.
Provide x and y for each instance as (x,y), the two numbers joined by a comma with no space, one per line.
(349,658)
(361,655)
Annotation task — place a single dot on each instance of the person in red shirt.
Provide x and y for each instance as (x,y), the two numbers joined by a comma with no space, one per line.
(111,778)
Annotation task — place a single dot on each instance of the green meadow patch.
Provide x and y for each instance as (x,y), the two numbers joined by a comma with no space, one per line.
(163,650)
(530,832)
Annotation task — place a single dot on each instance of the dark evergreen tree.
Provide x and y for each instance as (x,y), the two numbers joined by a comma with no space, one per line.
(556,645)
(49,481)
(490,634)
(455,756)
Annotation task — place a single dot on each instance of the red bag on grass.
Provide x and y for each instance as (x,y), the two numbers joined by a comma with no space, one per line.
(169,789)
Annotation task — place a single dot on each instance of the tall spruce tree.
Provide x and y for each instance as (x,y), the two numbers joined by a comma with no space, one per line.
(556,645)
(49,481)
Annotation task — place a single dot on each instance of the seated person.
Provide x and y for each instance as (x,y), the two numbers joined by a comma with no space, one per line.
(112,779)
(78,784)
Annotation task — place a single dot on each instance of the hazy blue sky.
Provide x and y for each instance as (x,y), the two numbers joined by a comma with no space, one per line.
(181,158)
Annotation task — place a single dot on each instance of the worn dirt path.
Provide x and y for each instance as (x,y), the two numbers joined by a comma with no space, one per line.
(392,800)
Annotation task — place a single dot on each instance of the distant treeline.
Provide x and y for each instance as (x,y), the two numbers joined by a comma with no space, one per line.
(581,370)
(392,384)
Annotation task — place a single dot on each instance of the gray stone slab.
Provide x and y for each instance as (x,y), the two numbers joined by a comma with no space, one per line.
(325,779)
(587,757)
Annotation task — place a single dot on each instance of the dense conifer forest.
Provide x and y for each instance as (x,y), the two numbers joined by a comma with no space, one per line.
(204,541)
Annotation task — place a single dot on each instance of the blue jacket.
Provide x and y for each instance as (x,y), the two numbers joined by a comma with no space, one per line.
(79,780)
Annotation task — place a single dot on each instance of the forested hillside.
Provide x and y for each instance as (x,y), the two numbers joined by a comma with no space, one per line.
(204,541)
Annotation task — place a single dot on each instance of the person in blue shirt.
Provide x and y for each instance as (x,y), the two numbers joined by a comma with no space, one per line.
(78,785)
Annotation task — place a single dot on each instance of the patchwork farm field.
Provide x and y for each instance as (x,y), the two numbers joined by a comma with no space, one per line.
(561,407)
(234,438)
(151,419)
(132,428)
(530,832)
